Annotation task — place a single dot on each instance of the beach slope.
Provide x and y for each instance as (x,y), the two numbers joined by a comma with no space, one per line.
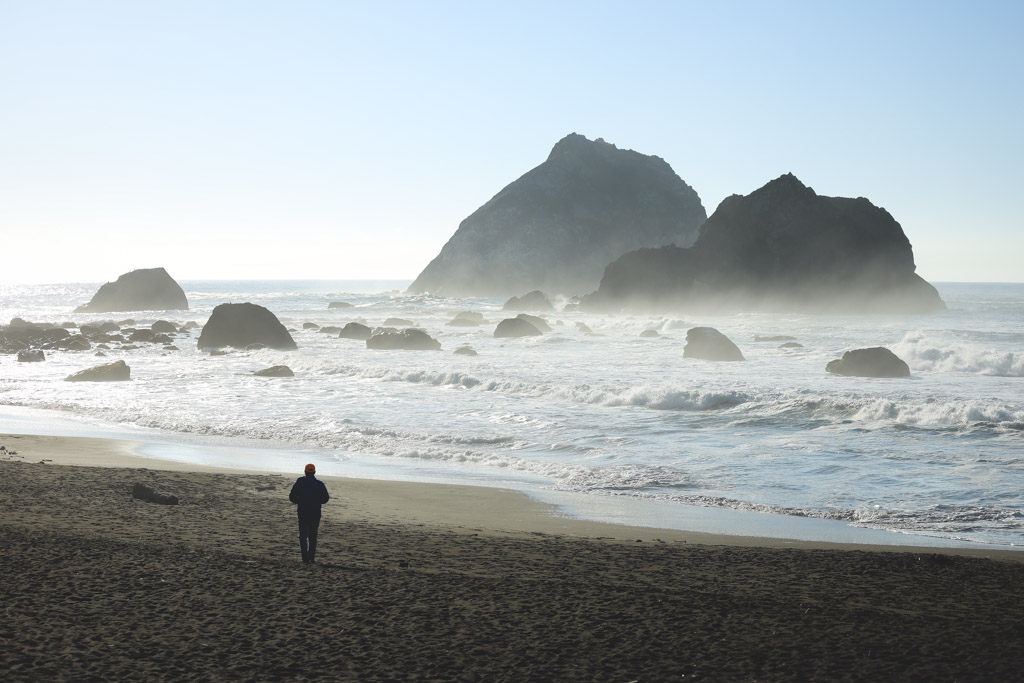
(99,585)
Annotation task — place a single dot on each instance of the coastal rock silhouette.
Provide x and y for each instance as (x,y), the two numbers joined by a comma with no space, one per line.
(537,322)
(535,301)
(411,339)
(782,247)
(239,325)
(118,371)
(874,362)
(355,330)
(147,289)
(560,224)
(707,343)
(275,371)
(515,327)
(466,319)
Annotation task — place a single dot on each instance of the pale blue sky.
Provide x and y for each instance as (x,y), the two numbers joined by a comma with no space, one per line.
(346,140)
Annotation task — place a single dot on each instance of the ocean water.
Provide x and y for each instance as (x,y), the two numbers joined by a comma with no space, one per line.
(604,418)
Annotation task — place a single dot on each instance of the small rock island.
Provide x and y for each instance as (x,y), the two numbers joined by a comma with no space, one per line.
(782,247)
(559,225)
(146,289)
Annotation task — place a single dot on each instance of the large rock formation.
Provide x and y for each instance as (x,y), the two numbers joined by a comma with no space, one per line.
(148,289)
(782,247)
(558,226)
(239,325)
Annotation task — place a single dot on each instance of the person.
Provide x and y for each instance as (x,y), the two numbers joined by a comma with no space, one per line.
(308,493)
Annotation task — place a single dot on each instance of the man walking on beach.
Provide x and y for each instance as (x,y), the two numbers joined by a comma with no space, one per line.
(309,493)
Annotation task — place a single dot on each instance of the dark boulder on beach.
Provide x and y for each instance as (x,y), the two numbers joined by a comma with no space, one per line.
(164,326)
(465,351)
(239,325)
(145,493)
(873,362)
(407,340)
(515,327)
(707,343)
(275,371)
(781,248)
(650,334)
(147,289)
(118,371)
(336,305)
(32,356)
(558,226)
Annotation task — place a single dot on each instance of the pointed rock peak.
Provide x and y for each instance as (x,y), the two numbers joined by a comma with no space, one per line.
(788,184)
(576,144)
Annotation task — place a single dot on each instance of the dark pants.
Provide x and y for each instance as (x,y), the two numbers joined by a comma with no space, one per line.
(308,529)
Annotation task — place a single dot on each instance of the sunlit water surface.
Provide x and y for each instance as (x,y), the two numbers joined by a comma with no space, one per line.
(609,416)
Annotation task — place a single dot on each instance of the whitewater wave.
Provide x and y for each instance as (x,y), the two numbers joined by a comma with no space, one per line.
(1004,526)
(881,411)
(924,354)
(655,397)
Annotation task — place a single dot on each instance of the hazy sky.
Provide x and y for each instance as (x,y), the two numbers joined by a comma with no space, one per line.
(338,140)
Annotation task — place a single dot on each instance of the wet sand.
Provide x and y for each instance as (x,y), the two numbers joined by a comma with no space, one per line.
(431,582)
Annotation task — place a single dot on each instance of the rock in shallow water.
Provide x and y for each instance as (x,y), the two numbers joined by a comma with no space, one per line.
(533,301)
(515,327)
(873,362)
(118,371)
(355,331)
(406,340)
(147,289)
(239,325)
(275,371)
(707,343)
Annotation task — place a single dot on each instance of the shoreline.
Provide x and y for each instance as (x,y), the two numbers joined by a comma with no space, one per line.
(452,583)
(460,508)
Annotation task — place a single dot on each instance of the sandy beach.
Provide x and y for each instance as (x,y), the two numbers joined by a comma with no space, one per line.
(433,582)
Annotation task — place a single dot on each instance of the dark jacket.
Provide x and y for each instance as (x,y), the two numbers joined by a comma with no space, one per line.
(309,493)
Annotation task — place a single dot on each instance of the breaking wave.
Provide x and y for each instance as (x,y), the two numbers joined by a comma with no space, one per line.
(925,355)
